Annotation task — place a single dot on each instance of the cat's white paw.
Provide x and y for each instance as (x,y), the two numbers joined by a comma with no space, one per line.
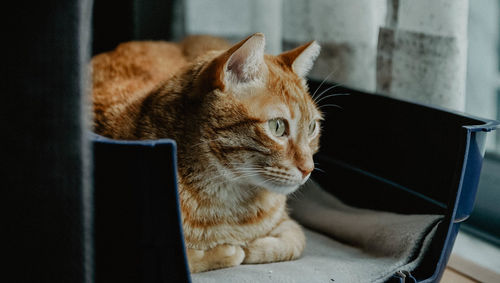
(220,256)
(266,249)
(229,255)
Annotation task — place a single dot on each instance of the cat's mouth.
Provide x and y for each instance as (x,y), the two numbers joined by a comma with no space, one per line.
(277,180)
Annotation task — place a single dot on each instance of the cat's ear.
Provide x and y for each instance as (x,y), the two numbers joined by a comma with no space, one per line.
(301,59)
(243,63)
(246,61)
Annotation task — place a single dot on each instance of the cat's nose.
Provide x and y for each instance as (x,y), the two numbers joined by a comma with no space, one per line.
(304,163)
(305,169)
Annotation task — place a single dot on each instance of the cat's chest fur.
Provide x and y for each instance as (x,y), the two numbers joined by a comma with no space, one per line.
(228,214)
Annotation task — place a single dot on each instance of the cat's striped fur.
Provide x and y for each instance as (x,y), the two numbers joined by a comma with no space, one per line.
(215,101)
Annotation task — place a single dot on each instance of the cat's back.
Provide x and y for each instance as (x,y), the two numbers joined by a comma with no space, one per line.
(123,78)
(133,68)
(137,63)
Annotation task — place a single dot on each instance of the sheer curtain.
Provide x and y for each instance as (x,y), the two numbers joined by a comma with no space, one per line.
(407,49)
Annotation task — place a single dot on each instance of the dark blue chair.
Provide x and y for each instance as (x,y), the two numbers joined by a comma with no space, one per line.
(392,155)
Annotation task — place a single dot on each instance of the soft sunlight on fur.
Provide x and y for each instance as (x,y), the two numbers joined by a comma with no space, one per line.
(246,129)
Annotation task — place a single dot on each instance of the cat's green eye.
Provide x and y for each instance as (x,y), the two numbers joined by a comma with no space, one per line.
(312,128)
(277,127)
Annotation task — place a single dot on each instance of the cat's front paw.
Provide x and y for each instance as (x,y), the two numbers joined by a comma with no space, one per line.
(269,249)
(220,256)
(261,250)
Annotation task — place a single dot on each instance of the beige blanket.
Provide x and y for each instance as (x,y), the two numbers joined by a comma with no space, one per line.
(347,245)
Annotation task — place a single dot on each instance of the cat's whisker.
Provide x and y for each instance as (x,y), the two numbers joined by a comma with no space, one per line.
(248,173)
(319,169)
(325,91)
(293,196)
(280,176)
(296,194)
(331,105)
(252,169)
(316,164)
(260,184)
(331,95)
(323,81)
(244,172)
(246,176)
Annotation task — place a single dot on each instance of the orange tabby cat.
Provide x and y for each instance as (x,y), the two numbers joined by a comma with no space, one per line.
(246,130)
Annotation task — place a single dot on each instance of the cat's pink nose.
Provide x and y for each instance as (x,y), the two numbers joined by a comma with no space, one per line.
(305,170)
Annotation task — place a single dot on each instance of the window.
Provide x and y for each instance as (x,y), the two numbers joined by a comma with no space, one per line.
(483,99)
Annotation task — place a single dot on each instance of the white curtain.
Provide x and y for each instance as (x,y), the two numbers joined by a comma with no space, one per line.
(406,49)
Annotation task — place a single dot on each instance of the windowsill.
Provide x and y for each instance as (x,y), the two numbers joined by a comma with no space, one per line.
(474,259)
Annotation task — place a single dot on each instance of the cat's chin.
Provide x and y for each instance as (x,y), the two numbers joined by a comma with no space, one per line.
(282,189)
(278,187)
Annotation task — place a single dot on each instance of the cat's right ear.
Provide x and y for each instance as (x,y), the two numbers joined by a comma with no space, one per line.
(242,64)
(301,59)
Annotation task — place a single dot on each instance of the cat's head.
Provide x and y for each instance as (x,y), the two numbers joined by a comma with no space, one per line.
(265,126)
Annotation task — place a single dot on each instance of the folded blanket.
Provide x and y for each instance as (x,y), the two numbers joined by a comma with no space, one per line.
(349,245)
